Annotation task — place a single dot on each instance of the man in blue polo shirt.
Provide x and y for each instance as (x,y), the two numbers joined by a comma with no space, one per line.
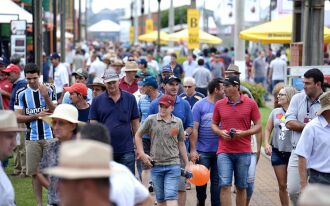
(181,110)
(118,111)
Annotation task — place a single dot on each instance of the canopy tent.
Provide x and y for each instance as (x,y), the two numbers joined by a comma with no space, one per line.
(104,26)
(203,37)
(11,11)
(153,37)
(276,31)
(68,35)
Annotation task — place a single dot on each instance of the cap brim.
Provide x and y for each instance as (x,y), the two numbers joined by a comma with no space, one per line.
(111,80)
(166,104)
(48,119)
(173,79)
(96,84)
(232,71)
(225,82)
(322,110)
(141,83)
(77,173)
(68,89)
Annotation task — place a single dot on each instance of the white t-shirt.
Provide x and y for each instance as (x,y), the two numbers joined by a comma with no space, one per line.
(61,77)
(125,189)
(189,68)
(278,67)
(98,68)
(7,195)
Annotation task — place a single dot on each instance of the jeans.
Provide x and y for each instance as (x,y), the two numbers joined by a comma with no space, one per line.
(251,176)
(127,159)
(166,181)
(238,163)
(318,177)
(209,160)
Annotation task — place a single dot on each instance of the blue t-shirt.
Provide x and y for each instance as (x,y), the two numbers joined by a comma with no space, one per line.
(207,140)
(17,85)
(83,114)
(116,116)
(181,110)
(193,99)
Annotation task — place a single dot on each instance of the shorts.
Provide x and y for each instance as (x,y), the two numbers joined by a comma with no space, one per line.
(146,148)
(183,180)
(237,163)
(165,179)
(279,158)
(34,151)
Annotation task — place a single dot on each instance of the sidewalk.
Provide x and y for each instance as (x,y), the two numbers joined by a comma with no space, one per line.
(265,188)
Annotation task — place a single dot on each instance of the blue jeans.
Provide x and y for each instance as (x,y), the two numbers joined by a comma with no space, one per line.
(127,159)
(166,181)
(234,162)
(209,160)
(251,175)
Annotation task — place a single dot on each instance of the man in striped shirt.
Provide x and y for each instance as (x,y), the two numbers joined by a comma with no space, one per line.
(234,115)
(33,102)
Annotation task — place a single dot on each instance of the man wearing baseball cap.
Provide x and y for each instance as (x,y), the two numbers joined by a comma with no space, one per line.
(8,132)
(78,97)
(143,68)
(167,145)
(80,76)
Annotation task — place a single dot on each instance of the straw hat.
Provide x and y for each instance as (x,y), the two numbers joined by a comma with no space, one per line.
(232,68)
(131,66)
(117,62)
(79,159)
(97,81)
(325,102)
(66,112)
(8,122)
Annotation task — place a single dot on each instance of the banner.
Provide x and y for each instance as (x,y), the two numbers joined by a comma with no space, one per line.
(193,28)
(149,26)
(131,34)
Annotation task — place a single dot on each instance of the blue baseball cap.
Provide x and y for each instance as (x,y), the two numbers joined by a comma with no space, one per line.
(149,81)
(167,68)
(143,61)
(4,61)
(55,56)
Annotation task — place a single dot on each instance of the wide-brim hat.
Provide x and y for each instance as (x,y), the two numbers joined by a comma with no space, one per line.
(325,102)
(97,81)
(232,68)
(66,112)
(131,66)
(79,159)
(8,122)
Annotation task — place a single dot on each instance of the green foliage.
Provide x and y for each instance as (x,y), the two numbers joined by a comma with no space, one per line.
(181,59)
(257,91)
(180,16)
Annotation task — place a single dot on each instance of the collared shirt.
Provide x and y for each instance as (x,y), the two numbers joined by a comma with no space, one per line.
(61,77)
(207,140)
(314,144)
(165,136)
(117,117)
(236,115)
(32,103)
(202,77)
(299,106)
(193,99)
(6,86)
(131,88)
(20,83)
(7,194)
(50,159)
(189,68)
(181,110)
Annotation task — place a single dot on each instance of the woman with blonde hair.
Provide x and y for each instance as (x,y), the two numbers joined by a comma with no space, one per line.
(280,147)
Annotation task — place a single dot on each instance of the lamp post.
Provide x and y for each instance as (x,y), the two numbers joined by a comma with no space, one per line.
(158,28)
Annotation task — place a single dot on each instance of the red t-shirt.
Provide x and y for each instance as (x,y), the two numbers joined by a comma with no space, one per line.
(6,86)
(238,116)
(131,88)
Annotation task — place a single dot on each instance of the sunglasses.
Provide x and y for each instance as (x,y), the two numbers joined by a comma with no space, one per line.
(187,86)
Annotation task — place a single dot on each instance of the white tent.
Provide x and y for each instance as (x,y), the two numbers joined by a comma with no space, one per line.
(11,11)
(104,26)
(67,34)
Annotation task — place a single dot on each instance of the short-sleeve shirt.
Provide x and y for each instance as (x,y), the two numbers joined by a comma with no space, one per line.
(279,68)
(259,65)
(181,110)
(300,105)
(177,70)
(6,86)
(202,77)
(164,138)
(83,114)
(21,83)
(131,88)
(116,116)
(50,159)
(7,194)
(314,144)
(235,115)
(193,99)
(281,137)
(202,113)
(61,77)
(32,103)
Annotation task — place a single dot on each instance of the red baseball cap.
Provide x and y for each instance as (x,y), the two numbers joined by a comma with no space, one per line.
(12,68)
(167,100)
(77,87)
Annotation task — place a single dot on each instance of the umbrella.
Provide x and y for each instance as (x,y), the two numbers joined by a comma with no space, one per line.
(153,37)
(203,37)
(104,26)
(277,31)
(11,11)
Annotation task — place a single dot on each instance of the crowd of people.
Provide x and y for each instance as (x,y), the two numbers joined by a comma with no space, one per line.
(114,127)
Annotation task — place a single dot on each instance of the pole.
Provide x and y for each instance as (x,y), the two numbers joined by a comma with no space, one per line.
(79,22)
(37,33)
(193,4)
(238,43)
(297,23)
(171,22)
(136,22)
(55,26)
(149,11)
(63,2)
(158,29)
(313,30)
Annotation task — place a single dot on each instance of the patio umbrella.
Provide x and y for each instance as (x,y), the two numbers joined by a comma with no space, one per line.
(153,37)
(277,31)
(203,37)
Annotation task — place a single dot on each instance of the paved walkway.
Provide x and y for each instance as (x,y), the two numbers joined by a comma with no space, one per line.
(265,192)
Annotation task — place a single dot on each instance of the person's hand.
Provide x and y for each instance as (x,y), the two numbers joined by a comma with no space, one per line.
(239,134)
(43,90)
(224,134)
(146,159)
(187,167)
(194,156)
(43,114)
(268,149)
